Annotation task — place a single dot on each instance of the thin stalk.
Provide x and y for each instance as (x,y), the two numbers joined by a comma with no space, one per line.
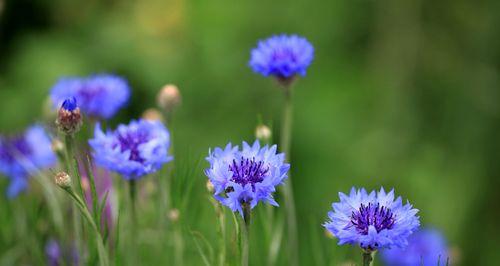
(368,256)
(221,217)
(133,219)
(101,249)
(245,248)
(71,168)
(285,142)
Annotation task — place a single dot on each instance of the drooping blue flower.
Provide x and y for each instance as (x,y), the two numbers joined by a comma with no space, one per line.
(282,56)
(246,176)
(99,96)
(132,150)
(372,221)
(23,155)
(425,247)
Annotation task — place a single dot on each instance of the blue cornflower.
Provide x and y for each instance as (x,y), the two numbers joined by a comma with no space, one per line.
(99,96)
(246,176)
(23,155)
(283,56)
(132,150)
(372,221)
(425,247)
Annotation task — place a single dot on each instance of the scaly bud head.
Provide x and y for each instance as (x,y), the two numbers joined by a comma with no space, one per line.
(63,180)
(174,215)
(210,187)
(152,114)
(69,118)
(263,133)
(169,97)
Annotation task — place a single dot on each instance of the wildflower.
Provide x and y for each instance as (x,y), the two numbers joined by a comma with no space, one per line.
(246,176)
(425,247)
(169,97)
(372,221)
(53,253)
(63,180)
(23,155)
(282,56)
(132,150)
(98,96)
(69,119)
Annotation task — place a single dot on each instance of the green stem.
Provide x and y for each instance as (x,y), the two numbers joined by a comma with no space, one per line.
(245,248)
(368,257)
(285,142)
(133,219)
(101,250)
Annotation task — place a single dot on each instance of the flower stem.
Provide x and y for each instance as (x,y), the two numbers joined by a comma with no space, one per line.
(285,142)
(101,249)
(245,248)
(368,256)
(133,220)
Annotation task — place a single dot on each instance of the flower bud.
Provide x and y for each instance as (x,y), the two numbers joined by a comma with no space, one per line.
(174,215)
(329,234)
(152,114)
(69,119)
(57,146)
(169,97)
(263,133)
(210,187)
(63,180)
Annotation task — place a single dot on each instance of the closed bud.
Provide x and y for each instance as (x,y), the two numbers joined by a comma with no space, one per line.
(174,215)
(169,97)
(263,133)
(63,180)
(329,234)
(57,146)
(210,187)
(69,118)
(152,114)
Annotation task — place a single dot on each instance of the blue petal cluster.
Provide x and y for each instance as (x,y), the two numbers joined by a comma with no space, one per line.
(282,56)
(425,247)
(246,176)
(372,221)
(132,150)
(23,155)
(99,96)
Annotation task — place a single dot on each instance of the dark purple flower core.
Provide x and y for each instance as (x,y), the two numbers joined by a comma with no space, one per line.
(248,171)
(131,140)
(11,149)
(372,215)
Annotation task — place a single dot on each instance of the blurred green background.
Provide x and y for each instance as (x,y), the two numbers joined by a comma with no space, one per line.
(401,94)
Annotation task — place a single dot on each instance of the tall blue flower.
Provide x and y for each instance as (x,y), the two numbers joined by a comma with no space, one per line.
(372,221)
(282,56)
(246,176)
(23,155)
(132,150)
(99,96)
(425,247)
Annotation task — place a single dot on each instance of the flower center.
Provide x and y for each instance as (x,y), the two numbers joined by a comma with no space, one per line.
(131,141)
(248,171)
(372,215)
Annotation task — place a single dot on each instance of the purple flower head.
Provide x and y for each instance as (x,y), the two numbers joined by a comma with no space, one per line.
(425,247)
(24,155)
(282,56)
(132,150)
(99,96)
(248,175)
(53,253)
(372,221)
